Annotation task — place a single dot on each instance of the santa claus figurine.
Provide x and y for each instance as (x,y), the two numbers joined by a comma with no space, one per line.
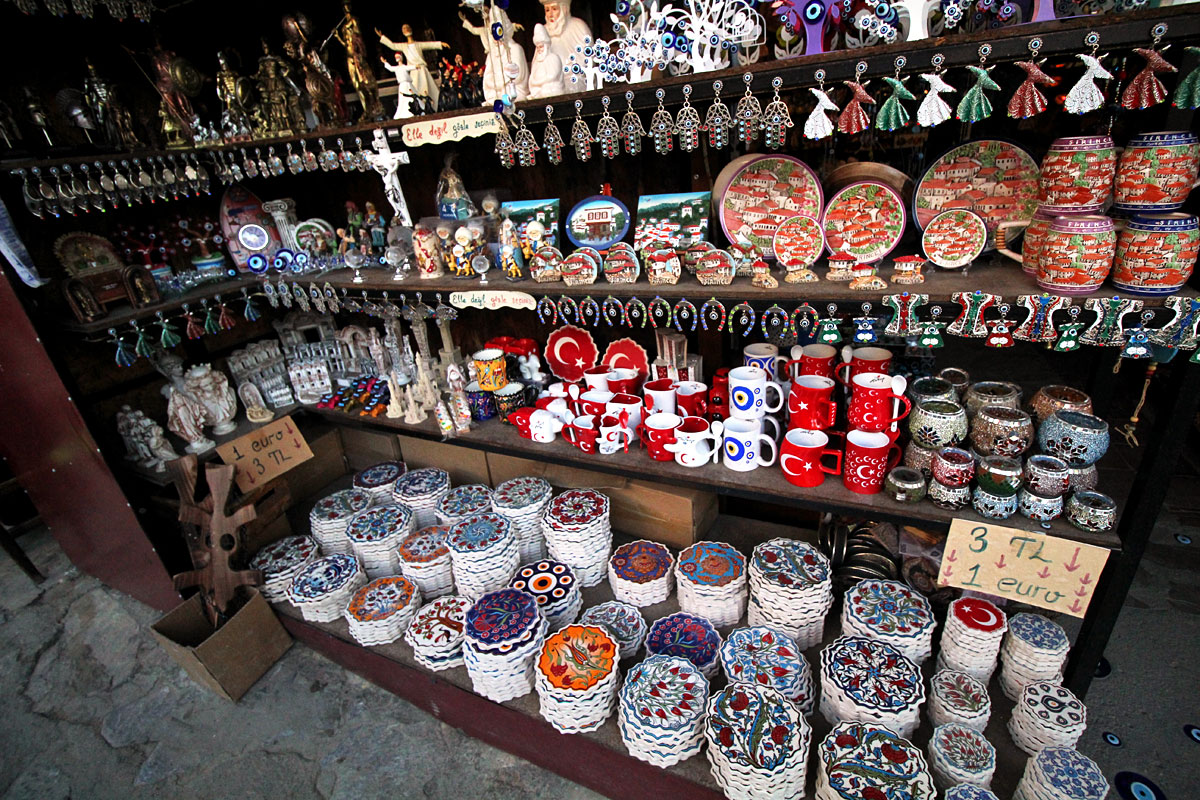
(546,77)
(566,34)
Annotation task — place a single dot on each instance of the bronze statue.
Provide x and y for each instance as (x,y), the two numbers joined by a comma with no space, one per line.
(111,114)
(232,90)
(358,66)
(280,97)
(176,81)
(322,90)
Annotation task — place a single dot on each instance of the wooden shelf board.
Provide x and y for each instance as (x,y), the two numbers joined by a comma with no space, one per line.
(125,314)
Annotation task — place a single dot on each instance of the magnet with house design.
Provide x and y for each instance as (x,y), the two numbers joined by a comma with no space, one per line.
(599,222)
(676,220)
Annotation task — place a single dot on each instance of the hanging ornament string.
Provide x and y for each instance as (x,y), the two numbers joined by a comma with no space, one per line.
(1085,95)
(567,309)
(608,132)
(775,317)
(803,319)
(776,118)
(662,127)
(192,330)
(975,105)
(687,123)
(167,337)
(635,309)
(743,314)
(1146,89)
(1028,101)
(631,128)
(818,125)
(586,305)
(210,317)
(1129,429)
(660,311)
(684,310)
(717,120)
(249,310)
(748,114)
(552,141)
(933,110)
(581,135)
(713,310)
(546,308)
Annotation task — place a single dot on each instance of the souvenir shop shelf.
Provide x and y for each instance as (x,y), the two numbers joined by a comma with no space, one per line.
(121,317)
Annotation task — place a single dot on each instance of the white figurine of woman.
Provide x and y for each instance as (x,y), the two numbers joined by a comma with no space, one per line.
(1085,96)
(505,71)
(546,70)
(404,84)
(818,125)
(414,56)
(933,109)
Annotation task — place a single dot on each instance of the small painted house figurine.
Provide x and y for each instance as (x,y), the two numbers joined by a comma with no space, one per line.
(866,279)
(907,270)
(662,266)
(716,268)
(762,276)
(798,273)
(841,267)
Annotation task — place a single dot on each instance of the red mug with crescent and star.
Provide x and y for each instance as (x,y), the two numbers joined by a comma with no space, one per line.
(660,396)
(869,456)
(627,404)
(810,403)
(594,403)
(801,456)
(623,380)
(812,359)
(872,400)
(691,399)
(582,433)
(864,360)
(657,432)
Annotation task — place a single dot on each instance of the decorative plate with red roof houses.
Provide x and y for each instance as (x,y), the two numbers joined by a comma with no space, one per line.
(865,219)
(954,238)
(995,179)
(763,192)
(798,242)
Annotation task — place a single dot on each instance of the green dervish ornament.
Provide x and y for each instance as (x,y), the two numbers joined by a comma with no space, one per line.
(1187,94)
(168,338)
(1068,334)
(892,114)
(975,105)
(827,328)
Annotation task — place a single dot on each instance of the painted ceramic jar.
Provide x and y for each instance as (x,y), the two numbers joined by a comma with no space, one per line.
(938,423)
(480,401)
(1091,511)
(1051,398)
(1083,479)
(991,393)
(1155,254)
(931,388)
(953,467)
(491,370)
(1077,254)
(1047,475)
(1157,172)
(951,498)
(905,485)
(509,399)
(1077,174)
(1038,508)
(993,506)
(1031,245)
(1077,438)
(919,458)
(1001,431)
(999,476)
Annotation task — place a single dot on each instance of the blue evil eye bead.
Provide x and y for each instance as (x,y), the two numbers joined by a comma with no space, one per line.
(683,44)
(283,259)
(734,450)
(257,263)
(497,31)
(302,259)
(577,69)
(814,10)
(1132,786)
(742,398)
(1007,10)
(622,8)
(498,106)
(1112,738)
(668,40)
(1183,538)
(1192,732)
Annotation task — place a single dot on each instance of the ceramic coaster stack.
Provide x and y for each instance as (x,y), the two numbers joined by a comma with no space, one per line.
(688,636)
(623,621)
(578,534)
(463,502)
(640,573)
(323,589)
(858,757)
(375,535)
(757,743)
(554,586)
(280,561)
(1061,773)
(959,698)
(1034,649)
(790,590)
(504,632)
(965,791)
(330,516)
(660,710)
(958,754)
(971,638)
(576,678)
(436,633)
(522,501)
(483,554)
(421,490)
(378,480)
(866,680)
(890,612)
(425,560)
(712,582)
(379,612)
(769,658)
(1047,715)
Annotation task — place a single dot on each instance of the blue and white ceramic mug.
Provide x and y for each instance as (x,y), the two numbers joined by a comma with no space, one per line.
(748,393)
(743,444)
(763,355)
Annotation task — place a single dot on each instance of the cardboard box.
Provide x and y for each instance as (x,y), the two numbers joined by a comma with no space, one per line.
(366,448)
(230,659)
(465,464)
(671,515)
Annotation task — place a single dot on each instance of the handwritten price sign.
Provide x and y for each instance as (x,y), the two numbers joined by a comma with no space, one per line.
(1026,567)
(265,453)
(437,131)
(492,300)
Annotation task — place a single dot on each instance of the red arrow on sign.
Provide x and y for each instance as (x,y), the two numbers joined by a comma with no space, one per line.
(1076,607)
(952,557)
(1086,579)
(1074,565)
(949,571)
(1045,573)
(1081,592)
(1001,563)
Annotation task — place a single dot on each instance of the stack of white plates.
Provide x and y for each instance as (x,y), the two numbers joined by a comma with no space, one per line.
(436,633)
(576,678)
(375,535)
(757,743)
(578,533)
(504,633)
(425,560)
(769,657)
(965,791)
(323,589)
(624,623)
(554,586)
(1035,649)
(688,636)
(280,561)
(463,502)
(712,582)
(661,708)
(866,680)
(958,754)
(378,480)
(971,639)
(421,490)
(960,698)
(890,612)
(861,760)
(483,554)
(330,516)
(379,612)
(1047,715)
(790,590)
(522,501)
(640,573)
(1061,773)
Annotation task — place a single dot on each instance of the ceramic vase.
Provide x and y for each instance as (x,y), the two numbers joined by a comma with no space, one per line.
(1077,254)
(1077,174)
(1157,172)
(1155,254)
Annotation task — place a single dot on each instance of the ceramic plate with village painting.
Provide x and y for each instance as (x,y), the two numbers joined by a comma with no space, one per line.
(798,242)
(764,192)
(600,221)
(954,238)
(865,219)
(671,220)
(522,212)
(997,180)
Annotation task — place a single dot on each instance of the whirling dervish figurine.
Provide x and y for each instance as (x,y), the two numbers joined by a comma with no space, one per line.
(405,91)
(1187,93)
(892,114)
(1085,96)
(818,125)
(1146,89)
(975,105)
(933,110)
(1028,101)
(853,118)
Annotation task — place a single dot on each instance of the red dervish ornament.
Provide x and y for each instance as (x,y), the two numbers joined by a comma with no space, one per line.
(1028,101)
(1146,89)
(853,118)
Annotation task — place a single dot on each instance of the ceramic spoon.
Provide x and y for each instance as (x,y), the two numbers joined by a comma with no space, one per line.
(718,430)
(899,386)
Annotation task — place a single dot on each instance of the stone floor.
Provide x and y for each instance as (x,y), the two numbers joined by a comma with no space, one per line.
(94,708)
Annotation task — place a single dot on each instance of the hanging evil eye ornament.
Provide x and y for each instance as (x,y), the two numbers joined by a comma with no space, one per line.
(269,291)
(167,337)
(713,311)
(1069,332)
(864,327)
(743,314)
(933,110)
(349,303)
(124,357)
(828,330)
(525,143)
(552,141)
(589,306)
(684,312)
(662,127)
(776,118)
(717,120)
(257,263)
(818,125)
(301,297)
(284,292)
(1137,343)
(853,118)
(547,312)
(687,123)
(975,105)
(774,322)
(1146,89)
(748,114)
(1187,93)
(931,331)
(316,298)
(141,344)
(567,309)
(608,132)
(804,322)
(505,148)
(1028,101)
(581,135)
(331,299)
(631,128)
(660,311)
(635,310)
(892,114)
(1085,95)
(1001,333)
(612,311)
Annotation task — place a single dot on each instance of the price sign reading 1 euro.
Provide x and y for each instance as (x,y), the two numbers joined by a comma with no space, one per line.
(1026,567)
(265,453)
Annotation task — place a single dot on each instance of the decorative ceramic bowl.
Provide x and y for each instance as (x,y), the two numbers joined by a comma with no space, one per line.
(1002,431)
(1038,508)
(1077,438)
(1083,479)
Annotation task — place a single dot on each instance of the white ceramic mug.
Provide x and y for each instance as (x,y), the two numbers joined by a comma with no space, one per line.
(544,426)
(613,436)
(695,443)
(744,443)
(748,393)
(596,378)
(627,403)
(660,396)
(763,355)
(594,402)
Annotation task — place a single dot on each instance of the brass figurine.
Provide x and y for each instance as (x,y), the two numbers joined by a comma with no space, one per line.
(324,96)
(110,113)
(280,97)
(233,91)
(358,66)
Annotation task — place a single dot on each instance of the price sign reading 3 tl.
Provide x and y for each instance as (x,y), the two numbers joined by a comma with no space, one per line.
(1023,566)
(265,453)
